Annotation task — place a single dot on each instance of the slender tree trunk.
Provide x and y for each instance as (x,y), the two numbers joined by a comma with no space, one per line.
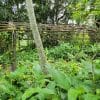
(13,61)
(36,35)
(18,43)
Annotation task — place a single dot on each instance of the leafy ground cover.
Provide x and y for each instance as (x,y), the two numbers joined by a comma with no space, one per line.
(73,74)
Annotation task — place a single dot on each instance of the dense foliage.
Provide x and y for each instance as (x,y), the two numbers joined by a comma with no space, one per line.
(73,58)
(73,73)
(50,11)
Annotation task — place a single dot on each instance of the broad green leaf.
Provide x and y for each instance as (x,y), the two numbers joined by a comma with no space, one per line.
(74,93)
(90,96)
(43,92)
(29,92)
(46,91)
(51,85)
(60,78)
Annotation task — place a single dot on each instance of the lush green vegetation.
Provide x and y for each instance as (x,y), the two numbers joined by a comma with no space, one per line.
(70,67)
(73,73)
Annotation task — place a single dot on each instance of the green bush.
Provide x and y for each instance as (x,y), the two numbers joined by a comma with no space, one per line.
(29,83)
(73,73)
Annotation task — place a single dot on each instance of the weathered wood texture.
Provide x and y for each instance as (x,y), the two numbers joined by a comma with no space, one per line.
(24,26)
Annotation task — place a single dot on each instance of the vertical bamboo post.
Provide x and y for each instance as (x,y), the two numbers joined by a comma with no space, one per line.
(13,53)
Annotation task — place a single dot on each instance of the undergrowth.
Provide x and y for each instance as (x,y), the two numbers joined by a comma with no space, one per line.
(73,74)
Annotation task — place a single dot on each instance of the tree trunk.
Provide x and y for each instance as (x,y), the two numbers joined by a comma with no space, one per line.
(36,35)
(13,61)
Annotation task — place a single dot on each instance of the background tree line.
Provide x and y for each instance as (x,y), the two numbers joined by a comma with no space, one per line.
(51,12)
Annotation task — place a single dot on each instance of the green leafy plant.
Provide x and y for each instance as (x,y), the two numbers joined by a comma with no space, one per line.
(76,77)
